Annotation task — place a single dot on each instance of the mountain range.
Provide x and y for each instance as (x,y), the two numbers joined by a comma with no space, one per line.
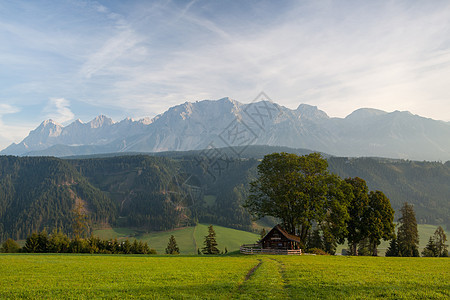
(229,123)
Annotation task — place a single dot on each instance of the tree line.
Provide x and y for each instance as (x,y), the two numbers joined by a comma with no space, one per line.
(325,210)
(406,242)
(58,242)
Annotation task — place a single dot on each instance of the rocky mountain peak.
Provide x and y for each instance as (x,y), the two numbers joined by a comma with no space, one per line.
(100,121)
(310,112)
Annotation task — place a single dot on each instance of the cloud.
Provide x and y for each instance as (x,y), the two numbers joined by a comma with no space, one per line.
(8,133)
(142,58)
(58,109)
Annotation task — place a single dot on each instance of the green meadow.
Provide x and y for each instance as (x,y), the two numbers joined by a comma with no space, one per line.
(189,239)
(49,276)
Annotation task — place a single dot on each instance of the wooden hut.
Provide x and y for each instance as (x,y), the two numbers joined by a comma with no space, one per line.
(277,241)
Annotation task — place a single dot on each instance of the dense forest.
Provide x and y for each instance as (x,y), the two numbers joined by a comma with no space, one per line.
(42,192)
(176,189)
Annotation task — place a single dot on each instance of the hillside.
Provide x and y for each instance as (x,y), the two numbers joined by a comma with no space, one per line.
(158,193)
(189,239)
(38,193)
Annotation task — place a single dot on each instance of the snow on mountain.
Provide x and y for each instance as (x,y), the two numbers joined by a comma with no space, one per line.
(226,122)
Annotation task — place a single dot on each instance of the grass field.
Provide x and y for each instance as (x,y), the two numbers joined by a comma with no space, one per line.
(222,277)
(188,239)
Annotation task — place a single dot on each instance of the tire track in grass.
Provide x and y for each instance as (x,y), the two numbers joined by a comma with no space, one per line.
(194,240)
(247,277)
(282,270)
(263,281)
(250,273)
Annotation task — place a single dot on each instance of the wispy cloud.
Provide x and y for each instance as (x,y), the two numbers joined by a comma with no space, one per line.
(139,58)
(10,133)
(58,109)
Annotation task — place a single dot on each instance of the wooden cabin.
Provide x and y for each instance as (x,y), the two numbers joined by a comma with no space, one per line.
(278,238)
(277,241)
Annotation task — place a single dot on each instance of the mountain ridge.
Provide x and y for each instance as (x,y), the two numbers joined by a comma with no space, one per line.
(229,123)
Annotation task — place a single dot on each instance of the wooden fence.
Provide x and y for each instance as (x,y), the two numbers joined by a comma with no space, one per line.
(256,249)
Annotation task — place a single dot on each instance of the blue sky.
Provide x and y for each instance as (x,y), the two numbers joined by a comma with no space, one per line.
(66,60)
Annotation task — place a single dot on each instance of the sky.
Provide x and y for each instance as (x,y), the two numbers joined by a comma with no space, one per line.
(69,59)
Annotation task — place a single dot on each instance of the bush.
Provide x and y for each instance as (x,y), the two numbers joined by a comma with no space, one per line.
(10,246)
(317,251)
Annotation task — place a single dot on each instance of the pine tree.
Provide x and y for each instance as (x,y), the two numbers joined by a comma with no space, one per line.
(210,242)
(392,250)
(408,235)
(80,221)
(32,243)
(430,249)
(126,247)
(172,247)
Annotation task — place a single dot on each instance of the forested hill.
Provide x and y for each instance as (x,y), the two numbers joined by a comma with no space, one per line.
(161,193)
(41,192)
(424,184)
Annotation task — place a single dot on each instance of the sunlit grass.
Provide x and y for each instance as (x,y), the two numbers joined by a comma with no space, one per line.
(49,276)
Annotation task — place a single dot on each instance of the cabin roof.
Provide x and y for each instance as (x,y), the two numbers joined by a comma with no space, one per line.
(290,237)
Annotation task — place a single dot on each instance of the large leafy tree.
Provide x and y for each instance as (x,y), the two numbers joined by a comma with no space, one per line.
(357,207)
(380,220)
(298,190)
(439,239)
(334,223)
(408,235)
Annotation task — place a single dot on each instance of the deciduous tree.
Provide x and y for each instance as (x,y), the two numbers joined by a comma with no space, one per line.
(10,246)
(379,220)
(293,189)
(440,238)
(357,207)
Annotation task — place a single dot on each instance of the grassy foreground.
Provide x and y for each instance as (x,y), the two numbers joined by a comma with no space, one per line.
(222,277)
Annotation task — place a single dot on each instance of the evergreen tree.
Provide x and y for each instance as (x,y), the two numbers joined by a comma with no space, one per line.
(393,248)
(126,247)
(408,235)
(210,242)
(58,242)
(80,222)
(43,242)
(172,247)
(135,249)
(32,243)
(430,249)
